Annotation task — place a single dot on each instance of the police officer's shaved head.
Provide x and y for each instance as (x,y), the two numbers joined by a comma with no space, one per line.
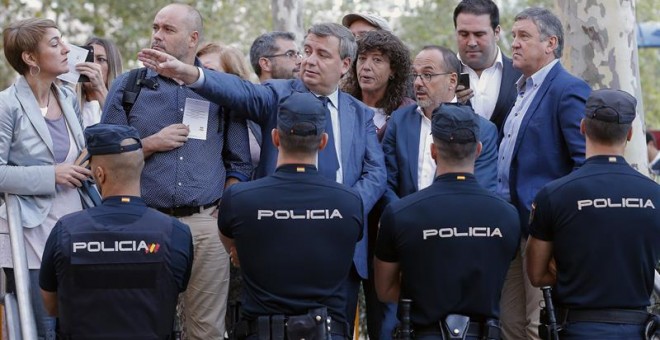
(116,157)
(609,115)
(301,122)
(455,130)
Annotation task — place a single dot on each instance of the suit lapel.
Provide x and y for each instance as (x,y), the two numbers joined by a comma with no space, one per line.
(31,110)
(534,106)
(413,123)
(505,88)
(347,129)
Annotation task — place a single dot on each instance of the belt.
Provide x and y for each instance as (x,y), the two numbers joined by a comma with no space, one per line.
(620,316)
(186,210)
(336,328)
(476,329)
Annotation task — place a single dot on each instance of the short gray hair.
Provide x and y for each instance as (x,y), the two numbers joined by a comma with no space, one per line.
(547,23)
(347,44)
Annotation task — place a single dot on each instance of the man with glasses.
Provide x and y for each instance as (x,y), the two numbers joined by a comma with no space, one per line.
(407,140)
(274,55)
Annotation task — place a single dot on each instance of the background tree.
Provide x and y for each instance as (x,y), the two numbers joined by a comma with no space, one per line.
(601,48)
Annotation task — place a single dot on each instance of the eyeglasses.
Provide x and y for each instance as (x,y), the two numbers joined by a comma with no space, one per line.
(291,54)
(426,77)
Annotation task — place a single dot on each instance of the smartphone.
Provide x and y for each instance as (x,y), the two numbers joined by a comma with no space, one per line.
(464,79)
(90,59)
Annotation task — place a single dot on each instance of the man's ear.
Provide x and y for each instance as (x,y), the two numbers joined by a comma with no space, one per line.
(582,127)
(434,152)
(275,135)
(324,141)
(345,65)
(265,65)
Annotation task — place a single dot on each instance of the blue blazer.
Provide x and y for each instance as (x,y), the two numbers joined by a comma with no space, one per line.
(549,143)
(401,147)
(27,159)
(362,163)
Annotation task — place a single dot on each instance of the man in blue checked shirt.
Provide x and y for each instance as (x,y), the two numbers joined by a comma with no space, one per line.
(192,152)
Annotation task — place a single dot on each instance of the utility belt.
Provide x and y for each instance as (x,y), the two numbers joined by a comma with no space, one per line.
(566,316)
(186,211)
(315,325)
(456,326)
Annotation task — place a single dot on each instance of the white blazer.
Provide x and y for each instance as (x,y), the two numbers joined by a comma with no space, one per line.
(27,161)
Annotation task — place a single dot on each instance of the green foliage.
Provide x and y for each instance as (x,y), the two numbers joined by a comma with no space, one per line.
(238,22)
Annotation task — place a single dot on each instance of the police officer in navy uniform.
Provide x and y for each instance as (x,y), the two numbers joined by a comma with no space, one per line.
(294,234)
(115,271)
(595,233)
(448,247)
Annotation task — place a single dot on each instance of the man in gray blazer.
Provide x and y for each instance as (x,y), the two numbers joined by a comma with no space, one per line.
(353,156)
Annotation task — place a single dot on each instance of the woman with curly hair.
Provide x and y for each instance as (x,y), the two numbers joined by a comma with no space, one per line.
(380,75)
(380,79)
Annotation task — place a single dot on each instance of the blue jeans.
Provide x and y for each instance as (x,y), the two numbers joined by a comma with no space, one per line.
(45,323)
(598,331)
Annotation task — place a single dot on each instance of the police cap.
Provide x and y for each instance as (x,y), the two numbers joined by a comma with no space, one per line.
(612,106)
(455,123)
(105,139)
(302,114)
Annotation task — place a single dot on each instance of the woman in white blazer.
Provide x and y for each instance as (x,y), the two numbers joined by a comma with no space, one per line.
(40,138)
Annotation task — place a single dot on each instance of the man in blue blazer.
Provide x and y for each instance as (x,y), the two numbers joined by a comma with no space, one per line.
(541,141)
(408,139)
(492,90)
(328,52)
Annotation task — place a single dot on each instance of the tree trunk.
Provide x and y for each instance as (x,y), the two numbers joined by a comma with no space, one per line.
(288,16)
(601,47)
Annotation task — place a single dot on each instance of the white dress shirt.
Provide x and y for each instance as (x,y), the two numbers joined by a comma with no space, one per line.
(487,87)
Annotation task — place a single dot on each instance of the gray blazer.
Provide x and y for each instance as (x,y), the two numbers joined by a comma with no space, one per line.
(27,161)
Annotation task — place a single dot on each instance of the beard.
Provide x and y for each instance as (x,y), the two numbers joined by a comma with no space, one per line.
(425,103)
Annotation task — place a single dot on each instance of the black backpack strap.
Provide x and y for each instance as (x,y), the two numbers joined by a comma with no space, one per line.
(133,87)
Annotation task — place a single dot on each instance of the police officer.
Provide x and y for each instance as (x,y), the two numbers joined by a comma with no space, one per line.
(448,247)
(595,233)
(115,271)
(294,234)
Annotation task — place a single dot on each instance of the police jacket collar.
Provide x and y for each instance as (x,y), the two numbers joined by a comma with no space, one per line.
(297,168)
(455,177)
(117,200)
(606,159)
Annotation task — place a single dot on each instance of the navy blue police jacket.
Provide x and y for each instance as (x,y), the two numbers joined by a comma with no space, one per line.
(454,242)
(295,233)
(604,223)
(117,270)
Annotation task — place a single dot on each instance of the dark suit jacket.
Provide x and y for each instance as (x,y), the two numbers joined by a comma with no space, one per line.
(549,143)
(362,163)
(508,92)
(401,147)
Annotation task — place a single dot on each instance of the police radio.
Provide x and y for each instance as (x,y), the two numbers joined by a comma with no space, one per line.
(548,329)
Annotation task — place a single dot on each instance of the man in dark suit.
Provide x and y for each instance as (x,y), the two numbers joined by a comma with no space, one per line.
(407,140)
(541,141)
(353,156)
(492,88)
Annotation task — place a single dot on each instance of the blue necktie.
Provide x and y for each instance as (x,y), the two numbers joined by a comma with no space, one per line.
(328,163)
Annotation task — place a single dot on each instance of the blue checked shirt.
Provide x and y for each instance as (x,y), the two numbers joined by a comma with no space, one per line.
(193,174)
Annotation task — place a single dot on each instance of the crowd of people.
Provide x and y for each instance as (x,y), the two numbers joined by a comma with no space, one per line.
(255,204)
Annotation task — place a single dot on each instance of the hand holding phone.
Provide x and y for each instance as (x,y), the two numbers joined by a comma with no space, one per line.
(464,79)
(89,59)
